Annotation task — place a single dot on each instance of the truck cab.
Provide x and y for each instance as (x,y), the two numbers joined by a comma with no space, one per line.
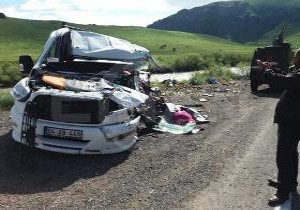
(279,54)
(80,95)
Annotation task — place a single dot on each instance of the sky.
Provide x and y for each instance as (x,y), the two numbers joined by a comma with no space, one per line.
(100,12)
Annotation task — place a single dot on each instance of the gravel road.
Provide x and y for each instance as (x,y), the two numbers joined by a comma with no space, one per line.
(224,166)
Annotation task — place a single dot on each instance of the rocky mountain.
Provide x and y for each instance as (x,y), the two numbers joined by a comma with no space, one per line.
(239,21)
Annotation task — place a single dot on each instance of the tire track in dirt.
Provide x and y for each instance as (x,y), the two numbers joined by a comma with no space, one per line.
(243,185)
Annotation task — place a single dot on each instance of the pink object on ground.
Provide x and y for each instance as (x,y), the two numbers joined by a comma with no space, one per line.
(182,117)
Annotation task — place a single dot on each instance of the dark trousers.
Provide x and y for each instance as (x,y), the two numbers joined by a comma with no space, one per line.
(287,156)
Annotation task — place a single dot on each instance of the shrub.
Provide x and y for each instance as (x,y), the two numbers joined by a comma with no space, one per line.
(6,100)
(182,63)
(215,72)
(243,71)
(229,59)
(195,62)
(9,74)
(190,62)
(199,78)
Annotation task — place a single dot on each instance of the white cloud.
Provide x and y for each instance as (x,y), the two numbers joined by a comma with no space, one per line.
(101,12)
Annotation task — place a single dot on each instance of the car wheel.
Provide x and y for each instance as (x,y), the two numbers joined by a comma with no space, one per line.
(254,85)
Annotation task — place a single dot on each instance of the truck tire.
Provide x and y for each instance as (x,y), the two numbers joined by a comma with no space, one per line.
(254,85)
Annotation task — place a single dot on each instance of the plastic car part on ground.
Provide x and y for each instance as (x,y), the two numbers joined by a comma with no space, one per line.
(182,117)
(165,126)
(178,119)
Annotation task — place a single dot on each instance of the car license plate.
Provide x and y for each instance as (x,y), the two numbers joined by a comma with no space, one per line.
(62,133)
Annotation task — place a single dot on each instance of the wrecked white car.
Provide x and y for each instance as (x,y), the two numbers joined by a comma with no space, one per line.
(81,94)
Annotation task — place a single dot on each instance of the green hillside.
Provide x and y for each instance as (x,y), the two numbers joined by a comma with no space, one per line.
(295,39)
(292,32)
(18,36)
(280,3)
(247,21)
(291,35)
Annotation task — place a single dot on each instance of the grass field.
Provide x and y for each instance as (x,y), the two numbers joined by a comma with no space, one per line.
(19,36)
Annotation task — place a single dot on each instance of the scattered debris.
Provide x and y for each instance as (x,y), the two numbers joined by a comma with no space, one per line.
(208,95)
(212,80)
(169,82)
(178,119)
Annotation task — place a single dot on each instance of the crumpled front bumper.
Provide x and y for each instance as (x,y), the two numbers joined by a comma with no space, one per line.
(96,139)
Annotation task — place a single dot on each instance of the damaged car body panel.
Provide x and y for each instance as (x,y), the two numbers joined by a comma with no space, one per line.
(81,94)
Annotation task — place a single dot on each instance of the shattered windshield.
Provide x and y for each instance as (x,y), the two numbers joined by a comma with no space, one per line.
(98,46)
(88,42)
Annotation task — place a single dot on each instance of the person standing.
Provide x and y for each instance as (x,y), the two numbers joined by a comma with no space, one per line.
(287,116)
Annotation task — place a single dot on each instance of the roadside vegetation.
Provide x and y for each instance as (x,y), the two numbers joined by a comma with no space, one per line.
(200,62)
(215,73)
(6,100)
(9,74)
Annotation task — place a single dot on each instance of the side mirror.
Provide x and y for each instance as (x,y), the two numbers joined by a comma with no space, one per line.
(25,64)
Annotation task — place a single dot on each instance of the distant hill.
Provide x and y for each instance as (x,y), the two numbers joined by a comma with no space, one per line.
(239,21)
(2,15)
(278,3)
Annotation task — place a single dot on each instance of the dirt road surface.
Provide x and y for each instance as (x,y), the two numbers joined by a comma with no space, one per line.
(224,166)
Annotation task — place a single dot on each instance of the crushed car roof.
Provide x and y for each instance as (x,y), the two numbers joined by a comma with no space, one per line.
(99,46)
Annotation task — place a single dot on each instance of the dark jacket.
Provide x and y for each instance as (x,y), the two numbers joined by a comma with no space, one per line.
(288,107)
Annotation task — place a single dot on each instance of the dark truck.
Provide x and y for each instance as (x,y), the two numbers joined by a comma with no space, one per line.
(279,54)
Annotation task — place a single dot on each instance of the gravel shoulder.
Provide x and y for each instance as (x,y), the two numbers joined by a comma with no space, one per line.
(165,170)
